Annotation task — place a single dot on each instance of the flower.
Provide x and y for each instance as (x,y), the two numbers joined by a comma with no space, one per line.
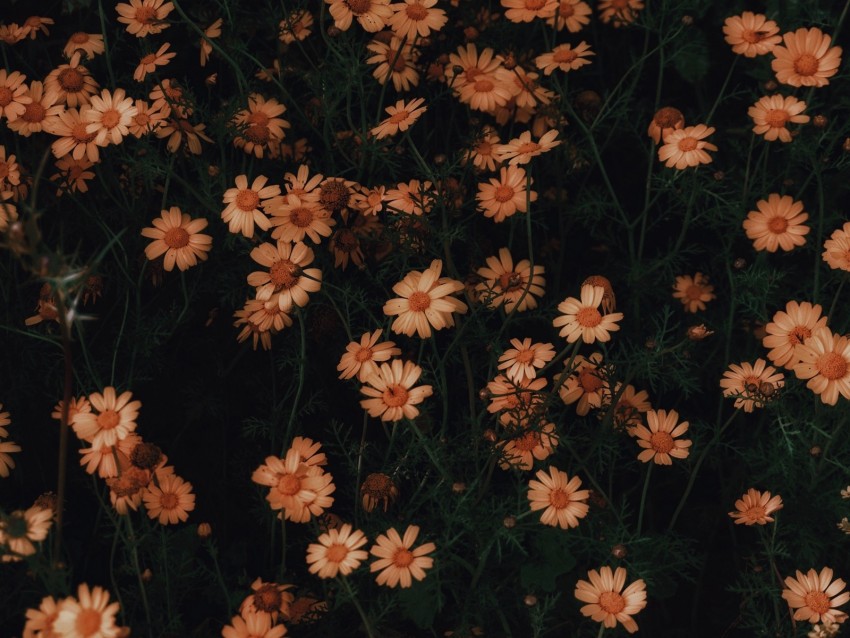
(34,25)
(258,126)
(423,302)
(751,34)
(483,151)
(395,61)
(40,621)
(287,281)
(296,26)
(74,136)
(396,561)
(815,596)
(777,224)
(608,602)
(109,116)
(824,359)
(630,405)
(520,150)
(521,362)
(527,442)
(89,615)
(13,95)
(581,318)
(401,117)
(515,287)
(149,62)
(43,106)
(337,552)
(413,198)
(559,497)
(170,501)
(10,174)
(71,81)
(693,291)
(252,624)
(114,420)
(378,488)
(806,59)
(210,33)
(666,120)
(413,18)
(295,218)
(89,43)
(300,489)
(242,211)
(572,14)
(587,383)
(564,57)
(772,112)
(660,441)
(752,385)
(372,15)
(362,358)
(503,197)
(21,529)
(685,147)
(267,599)
(528,10)
(619,13)
(147,119)
(836,249)
(144,17)
(169,96)
(518,399)
(392,393)
(487,91)
(825,630)
(177,236)
(755,508)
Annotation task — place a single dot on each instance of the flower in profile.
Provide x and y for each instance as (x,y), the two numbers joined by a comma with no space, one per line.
(378,488)
(287,281)
(89,43)
(514,286)
(521,362)
(666,120)
(242,212)
(686,147)
(660,441)
(607,601)
(755,508)
(89,615)
(559,496)
(752,384)
(573,15)
(250,624)
(34,25)
(12,33)
(521,149)
(112,419)
(337,552)
(815,596)
(397,562)
(619,13)
(778,223)
(502,197)
(772,113)
(529,10)
(693,292)
(392,396)
(587,384)
(144,17)
(395,61)
(178,237)
(20,529)
(824,359)
(751,34)
(362,358)
(564,57)
(414,18)
(836,249)
(170,501)
(149,62)
(527,443)
(210,33)
(401,117)
(580,318)
(806,59)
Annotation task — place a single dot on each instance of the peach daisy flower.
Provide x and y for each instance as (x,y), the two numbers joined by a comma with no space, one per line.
(362,358)
(89,615)
(106,459)
(20,529)
(295,218)
(836,249)
(693,292)
(210,33)
(397,562)
(806,59)
(149,62)
(34,25)
(114,419)
(337,552)
(630,405)
(177,236)
(335,194)
(619,13)
(607,601)
(528,10)
(424,303)
(250,624)
(73,175)
(520,150)
(413,198)
(74,136)
(395,61)
(581,317)
(12,33)
(10,173)
(242,212)
(7,448)
(487,91)
(144,17)
(514,286)
(666,120)
(755,508)
(778,223)
(521,362)
(401,117)
(287,281)
(168,96)
(587,384)
(72,82)
(181,133)
(559,496)
(685,147)
(503,197)
(815,596)
(824,359)
(43,105)
(109,116)
(790,328)
(296,26)
(369,201)
(8,211)
(308,451)
(483,151)
(300,489)
(751,34)
(466,64)
(147,119)
(412,18)
(526,443)
(772,112)
(372,15)
(660,441)
(393,396)
(564,57)
(519,399)
(573,15)
(13,95)
(89,43)
(258,126)
(752,384)
(170,501)
(268,599)
(39,623)
(345,245)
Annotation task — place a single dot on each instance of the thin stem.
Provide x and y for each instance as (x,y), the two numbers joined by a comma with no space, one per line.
(366,624)
(302,359)
(425,444)
(63,426)
(722,90)
(132,542)
(643,498)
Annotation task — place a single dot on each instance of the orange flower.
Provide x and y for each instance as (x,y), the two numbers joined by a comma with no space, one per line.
(396,561)
(177,236)
(752,385)
(89,43)
(268,599)
(34,25)
(287,281)
(337,552)
(71,81)
(790,328)
(836,249)
(771,113)
(520,150)
(391,391)
(488,91)
(362,358)
(581,317)
(395,61)
(587,384)
(90,614)
(252,625)
(9,170)
(660,441)
(503,197)
(528,10)
(666,120)
(242,212)
(514,286)
(619,13)
(608,602)
(483,151)
(572,14)
(295,219)
(564,58)
(401,117)
(114,420)
(521,362)
(751,34)
(815,596)
(685,147)
(414,18)
(693,291)
(259,126)
(302,490)
(40,622)
(36,113)
(824,359)
(144,17)
(372,15)
(13,95)
(806,59)
(210,33)
(413,198)
(296,26)
(170,501)
(149,62)
(630,405)
(528,441)
(778,223)
(755,508)
(560,498)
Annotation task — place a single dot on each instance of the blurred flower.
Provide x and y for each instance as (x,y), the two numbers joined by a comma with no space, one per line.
(825,630)
(149,62)
(391,391)
(685,147)
(372,15)
(337,552)
(362,358)
(252,625)
(572,14)
(178,237)
(660,441)
(751,34)
(824,359)
(806,59)
(397,563)
(771,114)
(815,596)
(401,117)
(10,173)
(619,13)
(559,496)
(666,120)
(89,43)
(89,615)
(40,622)
(778,223)
(755,508)
(693,292)
(296,26)
(34,25)
(564,57)
(608,602)
(144,17)
(269,599)
(836,249)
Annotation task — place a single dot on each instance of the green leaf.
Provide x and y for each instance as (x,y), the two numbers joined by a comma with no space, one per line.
(692,60)
(421,602)
(552,545)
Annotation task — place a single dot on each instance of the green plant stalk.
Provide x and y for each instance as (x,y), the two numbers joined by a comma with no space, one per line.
(363,616)
(133,546)
(643,498)
(213,552)
(67,384)
(426,445)
(302,359)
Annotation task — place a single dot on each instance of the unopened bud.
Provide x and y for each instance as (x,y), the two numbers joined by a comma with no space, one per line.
(530,600)
(619,551)
(509,522)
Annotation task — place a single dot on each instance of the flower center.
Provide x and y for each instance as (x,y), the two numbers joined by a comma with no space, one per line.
(693,292)
(776,118)
(798,335)
(817,601)
(527,441)
(78,132)
(395,396)
(110,118)
(80,38)
(168,501)
(71,80)
(777,225)
(588,317)
(258,117)
(5,96)
(150,58)
(564,55)
(753,37)
(661,442)
(524,356)
(33,112)
(334,195)
(755,513)
(301,217)
(247,199)
(364,354)
(336,553)
(566,10)
(145,15)
(503,194)
(176,238)
(484,85)
(668,117)
(400,63)
(402,557)
(806,64)
(832,366)
(284,274)
(108,419)
(534,5)
(399,116)
(687,144)
(359,7)
(416,11)
(88,622)
(267,598)
(510,281)
(289,485)
(419,301)
(257,133)
(559,499)
(346,241)
(589,381)
(484,148)
(528,147)
(611,602)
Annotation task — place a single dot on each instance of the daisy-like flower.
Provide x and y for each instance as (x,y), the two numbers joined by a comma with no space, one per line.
(72,82)
(483,151)
(7,448)
(252,624)
(13,95)
(89,615)
(34,25)
(300,489)
(560,498)
(503,197)
(178,237)
(169,97)
(287,281)
(412,18)
(268,599)
(487,91)
(39,623)
(395,61)
(528,442)
(73,175)
(772,113)
(564,57)
(20,529)
(210,33)
(587,384)
(630,406)
(114,419)
(12,33)
(397,561)
(8,211)
(666,120)
(106,459)
(401,117)
(528,10)
(89,43)
(573,15)
(171,501)
(296,26)
(295,218)
(74,136)
(413,198)
(521,362)
(259,126)
(836,249)
(607,601)
(109,116)
(391,391)
(824,359)
(520,150)
(43,105)
(806,59)
(686,147)
(751,34)
(378,488)
(755,508)
(660,441)
(147,119)
(423,302)
(10,173)
(693,292)
(242,212)
(345,245)
(144,17)
(362,358)
(515,287)
(778,223)
(372,15)
(149,62)
(619,13)
(816,597)
(337,552)
(752,384)
(517,399)
(581,317)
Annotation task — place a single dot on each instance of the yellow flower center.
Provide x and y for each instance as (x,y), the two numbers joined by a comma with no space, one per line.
(588,317)
(687,144)
(88,622)
(589,381)
(832,366)
(777,225)
(336,553)
(419,301)
(484,85)
(564,55)
(503,194)
(806,64)
(301,217)
(817,601)
(611,602)
(284,274)
(289,485)
(402,557)
(395,396)
(416,11)
(5,96)
(364,354)
(33,112)
(777,118)
(558,498)
(176,238)
(108,419)
(661,442)
(168,501)
(70,80)
(247,199)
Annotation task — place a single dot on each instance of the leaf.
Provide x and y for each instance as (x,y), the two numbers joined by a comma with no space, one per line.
(421,602)
(552,545)
(692,60)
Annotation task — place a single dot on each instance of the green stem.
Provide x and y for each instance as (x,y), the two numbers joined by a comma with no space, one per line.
(643,498)
(366,624)
(426,445)
(302,359)
(133,543)
(722,90)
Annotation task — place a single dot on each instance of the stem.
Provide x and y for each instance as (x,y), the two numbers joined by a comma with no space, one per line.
(366,624)
(63,426)
(601,631)
(302,357)
(643,497)
(722,90)
(436,461)
(135,554)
